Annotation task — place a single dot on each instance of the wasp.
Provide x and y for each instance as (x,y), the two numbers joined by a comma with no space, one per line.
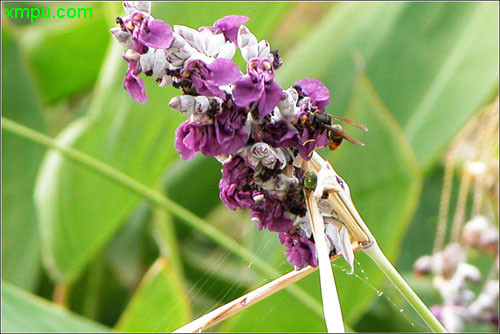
(336,133)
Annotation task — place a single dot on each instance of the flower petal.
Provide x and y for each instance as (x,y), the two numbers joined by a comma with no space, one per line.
(269,99)
(158,35)
(316,91)
(229,26)
(246,91)
(223,72)
(135,86)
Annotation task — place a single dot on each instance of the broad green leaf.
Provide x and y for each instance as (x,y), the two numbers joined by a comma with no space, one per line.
(24,312)
(384,186)
(20,161)
(80,210)
(160,303)
(65,54)
(433,64)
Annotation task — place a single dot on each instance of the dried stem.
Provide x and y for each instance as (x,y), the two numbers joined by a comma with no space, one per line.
(459,217)
(444,205)
(249,299)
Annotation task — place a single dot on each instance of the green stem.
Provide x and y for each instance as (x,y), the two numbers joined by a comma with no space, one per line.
(376,254)
(163,202)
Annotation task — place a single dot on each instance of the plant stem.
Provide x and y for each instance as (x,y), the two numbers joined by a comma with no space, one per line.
(163,202)
(376,254)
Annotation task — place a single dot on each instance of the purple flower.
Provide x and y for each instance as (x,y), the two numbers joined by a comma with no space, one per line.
(318,92)
(278,134)
(228,25)
(258,86)
(300,251)
(272,215)
(147,32)
(132,83)
(207,78)
(235,190)
(226,135)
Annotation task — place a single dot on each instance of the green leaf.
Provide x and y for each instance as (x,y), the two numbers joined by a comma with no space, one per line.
(66,54)
(23,312)
(433,64)
(160,303)
(20,242)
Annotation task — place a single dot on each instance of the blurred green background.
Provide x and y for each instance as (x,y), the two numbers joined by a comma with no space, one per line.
(414,73)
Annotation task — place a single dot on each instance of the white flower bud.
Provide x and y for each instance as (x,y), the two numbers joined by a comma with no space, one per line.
(264,49)
(160,63)
(227,50)
(131,54)
(214,44)
(202,104)
(193,37)
(178,41)
(468,272)
(423,265)
(123,37)
(287,104)
(247,43)
(184,103)
(147,60)
(166,81)
(473,230)
(132,6)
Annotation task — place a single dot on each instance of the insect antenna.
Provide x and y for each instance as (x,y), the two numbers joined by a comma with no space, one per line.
(356,124)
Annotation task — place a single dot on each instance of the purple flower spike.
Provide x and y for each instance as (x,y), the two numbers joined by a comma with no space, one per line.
(228,25)
(272,215)
(258,86)
(207,78)
(301,251)
(316,91)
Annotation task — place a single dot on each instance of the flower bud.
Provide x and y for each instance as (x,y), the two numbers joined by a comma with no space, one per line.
(287,104)
(468,272)
(227,51)
(264,49)
(247,43)
(214,43)
(473,229)
(131,54)
(184,104)
(202,104)
(193,37)
(132,6)
(423,265)
(123,37)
